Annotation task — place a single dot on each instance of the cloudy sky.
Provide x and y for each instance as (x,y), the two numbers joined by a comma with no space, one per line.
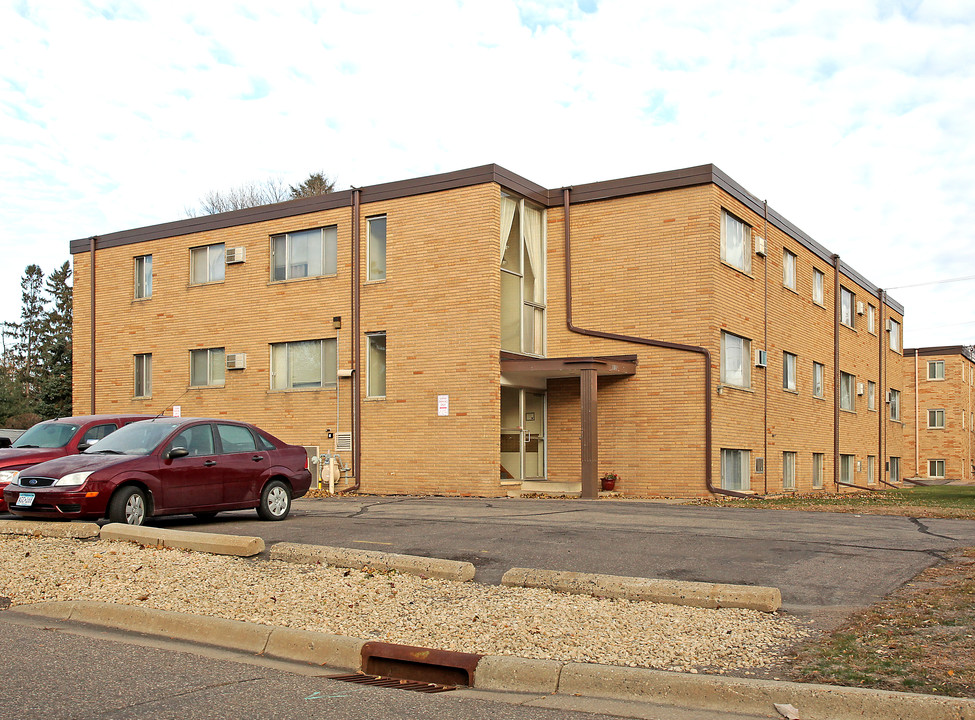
(853,118)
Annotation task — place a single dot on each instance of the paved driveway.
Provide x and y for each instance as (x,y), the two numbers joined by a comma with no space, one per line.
(825,564)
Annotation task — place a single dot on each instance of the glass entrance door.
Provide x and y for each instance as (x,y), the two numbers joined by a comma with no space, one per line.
(522,434)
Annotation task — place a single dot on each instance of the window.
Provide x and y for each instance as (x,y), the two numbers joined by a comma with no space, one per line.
(736,241)
(376,365)
(735,468)
(143,276)
(846,391)
(522,276)
(846,468)
(789,371)
(789,269)
(895,469)
(818,379)
(307,253)
(96,433)
(871,395)
(936,370)
(936,419)
(895,404)
(236,439)
(735,360)
(303,365)
(207,366)
(817,470)
(871,469)
(788,471)
(871,318)
(819,283)
(207,264)
(376,248)
(936,468)
(895,335)
(143,375)
(197,439)
(847,300)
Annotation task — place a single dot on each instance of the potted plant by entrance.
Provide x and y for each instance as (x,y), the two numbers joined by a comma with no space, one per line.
(609,481)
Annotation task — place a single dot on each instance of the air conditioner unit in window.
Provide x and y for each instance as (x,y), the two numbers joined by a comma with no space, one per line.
(888,396)
(235,255)
(761,358)
(889,324)
(860,308)
(759,465)
(236,361)
(760,245)
(859,388)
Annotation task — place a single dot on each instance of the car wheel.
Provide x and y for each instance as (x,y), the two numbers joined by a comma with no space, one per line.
(205,515)
(128,506)
(275,501)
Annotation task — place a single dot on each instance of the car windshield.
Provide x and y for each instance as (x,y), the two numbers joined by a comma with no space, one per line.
(46,435)
(138,438)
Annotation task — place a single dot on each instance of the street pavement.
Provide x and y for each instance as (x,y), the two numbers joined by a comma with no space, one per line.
(825,564)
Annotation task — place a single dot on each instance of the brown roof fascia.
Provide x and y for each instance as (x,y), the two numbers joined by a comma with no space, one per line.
(637,185)
(963,350)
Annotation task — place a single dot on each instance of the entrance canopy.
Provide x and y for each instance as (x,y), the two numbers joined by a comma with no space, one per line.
(521,370)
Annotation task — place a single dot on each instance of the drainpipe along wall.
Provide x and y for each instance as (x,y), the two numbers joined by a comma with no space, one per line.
(356,326)
(836,372)
(765,373)
(91,259)
(643,341)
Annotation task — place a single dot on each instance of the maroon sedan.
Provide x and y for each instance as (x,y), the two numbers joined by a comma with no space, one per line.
(56,438)
(166,466)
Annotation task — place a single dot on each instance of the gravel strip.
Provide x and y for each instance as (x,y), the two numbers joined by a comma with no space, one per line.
(396,608)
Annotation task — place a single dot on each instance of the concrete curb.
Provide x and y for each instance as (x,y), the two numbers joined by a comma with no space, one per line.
(522,675)
(240,545)
(349,558)
(675,592)
(79,531)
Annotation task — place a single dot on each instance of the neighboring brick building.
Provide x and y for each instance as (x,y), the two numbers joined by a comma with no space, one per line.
(702,341)
(939,401)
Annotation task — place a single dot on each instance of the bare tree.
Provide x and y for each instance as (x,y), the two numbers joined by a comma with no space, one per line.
(243,196)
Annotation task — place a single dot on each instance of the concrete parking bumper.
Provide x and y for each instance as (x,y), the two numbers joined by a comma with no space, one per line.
(351,558)
(675,592)
(547,679)
(43,528)
(240,545)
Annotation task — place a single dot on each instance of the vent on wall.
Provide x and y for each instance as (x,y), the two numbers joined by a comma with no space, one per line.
(760,245)
(235,255)
(759,464)
(859,388)
(860,308)
(343,442)
(761,358)
(236,361)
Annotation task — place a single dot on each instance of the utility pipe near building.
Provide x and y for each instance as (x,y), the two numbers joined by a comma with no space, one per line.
(590,482)
(356,347)
(92,242)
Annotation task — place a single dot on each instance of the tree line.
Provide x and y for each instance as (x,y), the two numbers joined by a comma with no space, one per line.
(35,353)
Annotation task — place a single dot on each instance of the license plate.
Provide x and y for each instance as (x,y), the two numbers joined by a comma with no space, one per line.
(25,500)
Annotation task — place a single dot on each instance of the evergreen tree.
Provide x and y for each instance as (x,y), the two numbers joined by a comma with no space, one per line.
(316,184)
(54,384)
(27,355)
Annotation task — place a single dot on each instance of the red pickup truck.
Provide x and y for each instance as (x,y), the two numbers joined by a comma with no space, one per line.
(56,438)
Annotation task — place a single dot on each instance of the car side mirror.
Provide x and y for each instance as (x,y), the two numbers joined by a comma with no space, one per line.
(177,452)
(85,445)
(4,442)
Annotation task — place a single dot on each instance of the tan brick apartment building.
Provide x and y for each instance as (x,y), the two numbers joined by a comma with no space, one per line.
(478,333)
(939,440)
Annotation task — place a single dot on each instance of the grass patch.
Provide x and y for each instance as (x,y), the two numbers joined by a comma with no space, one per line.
(944,501)
(919,639)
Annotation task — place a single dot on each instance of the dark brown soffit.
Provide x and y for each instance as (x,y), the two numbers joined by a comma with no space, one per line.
(568,366)
(963,350)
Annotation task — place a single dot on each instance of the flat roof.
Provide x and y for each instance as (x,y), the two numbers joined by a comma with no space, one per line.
(965,350)
(589,192)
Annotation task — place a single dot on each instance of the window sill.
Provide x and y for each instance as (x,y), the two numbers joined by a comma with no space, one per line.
(726,386)
(746,273)
(819,303)
(377,281)
(791,290)
(207,387)
(274,391)
(142,299)
(142,397)
(377,398)
(790,391)
(306,278)
(851,412)
(821,398)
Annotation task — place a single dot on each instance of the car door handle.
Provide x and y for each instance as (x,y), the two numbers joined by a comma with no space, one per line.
(210,463)
(257,458)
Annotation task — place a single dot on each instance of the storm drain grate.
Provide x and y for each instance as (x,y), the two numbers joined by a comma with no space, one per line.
(395,683)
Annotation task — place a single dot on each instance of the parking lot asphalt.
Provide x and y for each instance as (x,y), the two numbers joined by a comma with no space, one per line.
(825,564)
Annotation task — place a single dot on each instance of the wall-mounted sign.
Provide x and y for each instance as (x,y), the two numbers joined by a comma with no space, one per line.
(443,405)
(177,411)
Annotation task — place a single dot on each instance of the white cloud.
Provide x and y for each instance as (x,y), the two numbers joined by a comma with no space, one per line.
(852,119)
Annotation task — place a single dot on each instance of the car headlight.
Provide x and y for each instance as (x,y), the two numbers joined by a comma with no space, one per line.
(9,476)
(73,478)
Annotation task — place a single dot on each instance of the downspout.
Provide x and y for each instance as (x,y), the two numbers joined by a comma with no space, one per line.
(917,417)
(91,244)
(836,371)
(765,373)
(356,404)
(644,341)
(883,382)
